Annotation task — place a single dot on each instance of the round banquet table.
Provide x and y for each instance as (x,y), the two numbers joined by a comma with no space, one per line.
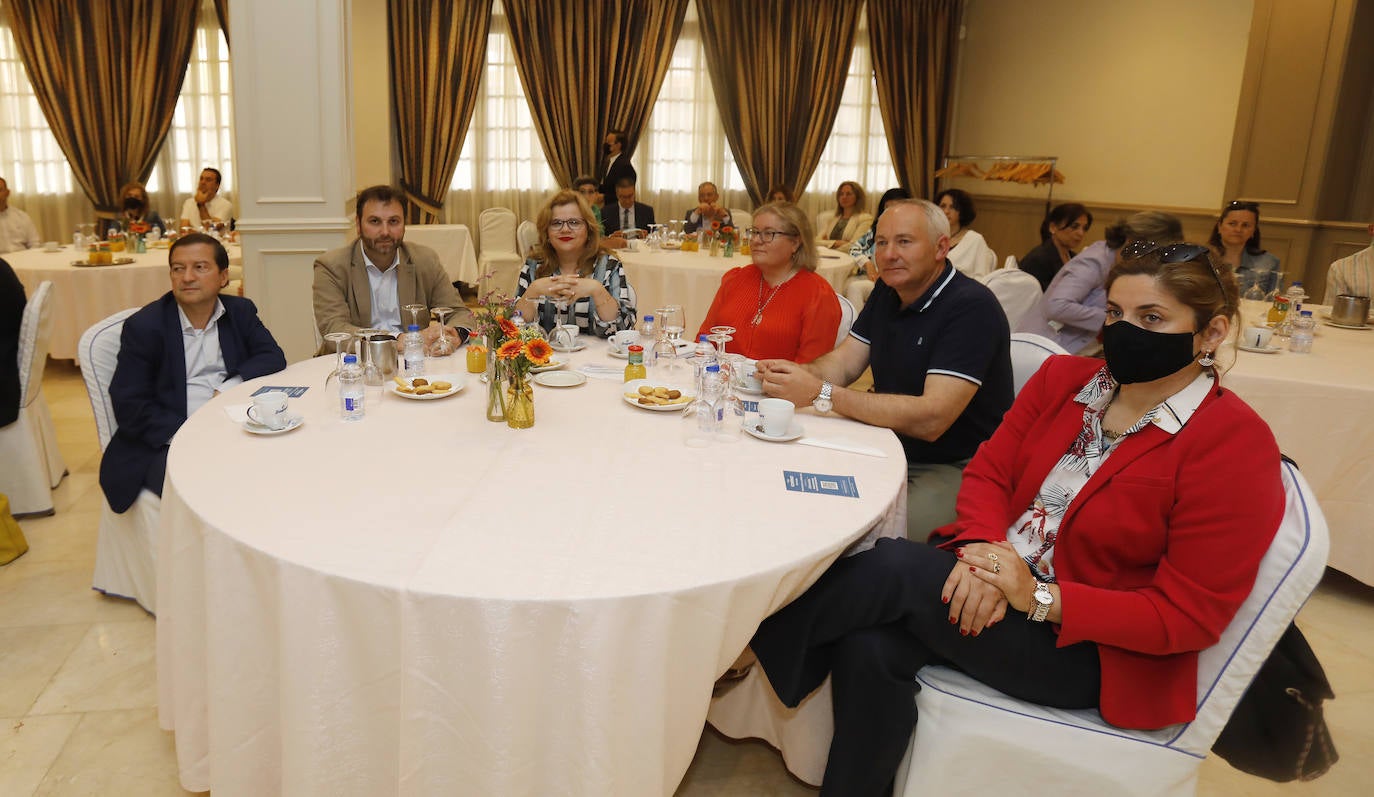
(1318,405)
(691,278)
(429,603)
(83,295)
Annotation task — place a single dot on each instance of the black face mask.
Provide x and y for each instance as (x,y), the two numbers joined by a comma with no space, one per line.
(133,203)
(1139,355)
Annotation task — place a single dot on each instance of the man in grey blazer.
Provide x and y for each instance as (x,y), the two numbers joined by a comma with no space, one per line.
(369,282)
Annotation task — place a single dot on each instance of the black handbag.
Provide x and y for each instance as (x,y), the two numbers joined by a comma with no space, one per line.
(1277,731)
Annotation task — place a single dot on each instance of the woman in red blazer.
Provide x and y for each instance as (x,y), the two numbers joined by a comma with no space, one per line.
(1107,532)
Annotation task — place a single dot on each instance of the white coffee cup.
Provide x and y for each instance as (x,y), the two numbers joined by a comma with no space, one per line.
(775,416)
(748,378)
(570,334)
(51,246)
(624,338)
(1257,337)
(269,409)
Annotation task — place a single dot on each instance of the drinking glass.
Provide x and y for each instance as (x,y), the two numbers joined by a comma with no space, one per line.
(720,335)
(337,338)
(414,310)
(442,346)
(673,322)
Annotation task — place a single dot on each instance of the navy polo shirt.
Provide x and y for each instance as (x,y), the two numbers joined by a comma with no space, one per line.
(956,328)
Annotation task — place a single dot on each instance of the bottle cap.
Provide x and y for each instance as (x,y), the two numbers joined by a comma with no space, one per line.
(713,369)
(635,348)
(349,359)
(413,328)
(702,338)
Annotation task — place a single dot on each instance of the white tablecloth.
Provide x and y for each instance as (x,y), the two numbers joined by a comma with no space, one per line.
(1320,406)
(428,603)
(691,278)
(453,242)
(83,295)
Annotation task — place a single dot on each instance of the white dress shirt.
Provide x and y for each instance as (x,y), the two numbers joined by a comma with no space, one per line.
(218,206)
(386,305)
(17,231)
(205,369)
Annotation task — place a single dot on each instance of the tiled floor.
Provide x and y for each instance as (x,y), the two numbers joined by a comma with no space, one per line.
(77,681)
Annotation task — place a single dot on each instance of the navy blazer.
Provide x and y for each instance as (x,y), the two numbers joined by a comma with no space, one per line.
(642,215)
(12,303)
(148,391)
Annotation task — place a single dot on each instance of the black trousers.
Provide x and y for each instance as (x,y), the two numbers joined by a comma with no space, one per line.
(870,623)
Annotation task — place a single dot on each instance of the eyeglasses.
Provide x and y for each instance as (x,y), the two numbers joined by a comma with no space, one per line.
(767,236)
(571,225)
(1174,253)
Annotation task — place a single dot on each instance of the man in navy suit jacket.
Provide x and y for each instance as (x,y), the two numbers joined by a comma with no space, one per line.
(612,218)
(176,354)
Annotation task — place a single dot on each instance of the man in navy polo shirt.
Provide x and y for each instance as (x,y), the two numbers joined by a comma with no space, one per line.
(940,349)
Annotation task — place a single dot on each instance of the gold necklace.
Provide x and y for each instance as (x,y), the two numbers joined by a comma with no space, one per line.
(758,316)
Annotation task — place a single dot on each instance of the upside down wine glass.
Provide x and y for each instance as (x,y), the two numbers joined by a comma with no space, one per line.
(337,338)
(442,346)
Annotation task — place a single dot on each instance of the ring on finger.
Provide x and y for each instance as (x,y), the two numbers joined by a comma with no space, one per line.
(992,557)
(996,567)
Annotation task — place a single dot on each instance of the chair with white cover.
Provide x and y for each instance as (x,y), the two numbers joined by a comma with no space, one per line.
(1016,290)
(453,244)
(972,739)
(500,257)
(126,548)
(847,314)
(30,464)
(742,218)
(1028,352)
(528,236)
(1010,262)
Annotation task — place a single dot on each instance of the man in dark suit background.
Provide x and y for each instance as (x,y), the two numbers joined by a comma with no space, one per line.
(176,354)
(615,167)
(625,214)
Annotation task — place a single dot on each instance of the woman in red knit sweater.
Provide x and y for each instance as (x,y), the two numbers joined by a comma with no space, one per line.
(779,306)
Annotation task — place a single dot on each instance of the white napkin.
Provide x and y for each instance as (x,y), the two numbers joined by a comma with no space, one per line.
(841,445)
(608,372)
(238,413)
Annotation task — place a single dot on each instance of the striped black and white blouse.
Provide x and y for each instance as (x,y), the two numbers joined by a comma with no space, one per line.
(609,272)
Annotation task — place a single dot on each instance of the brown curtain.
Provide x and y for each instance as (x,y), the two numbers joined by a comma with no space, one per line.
(590,66)
(779,70)
(222,13)
(913,43)
(107,76)
(438,51)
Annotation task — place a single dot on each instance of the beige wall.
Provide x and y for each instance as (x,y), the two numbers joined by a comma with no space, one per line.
(1138,100)
(371,96)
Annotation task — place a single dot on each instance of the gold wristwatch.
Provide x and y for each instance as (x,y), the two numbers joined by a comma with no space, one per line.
(1041,601)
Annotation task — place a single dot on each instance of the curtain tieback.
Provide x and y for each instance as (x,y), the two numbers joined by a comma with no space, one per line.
(427,204)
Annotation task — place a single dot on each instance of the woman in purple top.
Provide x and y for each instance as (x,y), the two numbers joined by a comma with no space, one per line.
(1074,307)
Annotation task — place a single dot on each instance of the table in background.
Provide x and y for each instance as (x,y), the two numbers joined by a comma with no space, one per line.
(691,278)
(1320,406)
(83,295)
(453,242)
(429,603)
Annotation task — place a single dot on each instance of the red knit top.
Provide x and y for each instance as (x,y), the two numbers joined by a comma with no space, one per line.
(800,320)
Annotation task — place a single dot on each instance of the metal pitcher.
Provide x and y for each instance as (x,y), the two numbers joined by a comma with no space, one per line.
(1352,311)
(377,355)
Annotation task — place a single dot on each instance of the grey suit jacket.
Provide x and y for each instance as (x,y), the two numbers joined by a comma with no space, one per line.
(343,297)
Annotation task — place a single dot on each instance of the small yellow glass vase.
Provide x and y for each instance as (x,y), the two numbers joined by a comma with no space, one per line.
(519,403)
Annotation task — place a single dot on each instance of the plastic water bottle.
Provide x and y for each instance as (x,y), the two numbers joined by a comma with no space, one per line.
(1297,295)
(351,389)
(646,328)
(1303,330)
(414,347)
(702,419)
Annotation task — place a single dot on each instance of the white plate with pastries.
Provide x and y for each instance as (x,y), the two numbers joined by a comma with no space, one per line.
(428,387)
(661,396)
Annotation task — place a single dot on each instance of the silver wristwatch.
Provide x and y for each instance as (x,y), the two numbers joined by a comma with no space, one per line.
(822,402)
(1041,601)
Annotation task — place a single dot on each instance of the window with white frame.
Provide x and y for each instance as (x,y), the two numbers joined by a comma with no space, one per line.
(202,125)
(31,161)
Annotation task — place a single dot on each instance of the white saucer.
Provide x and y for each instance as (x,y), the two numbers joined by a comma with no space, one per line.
(1331,323)
(579,347)
(794,432)
(253,427)
(684,349)
(1260,349)
(748,391)
(554,364)
(560,378)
